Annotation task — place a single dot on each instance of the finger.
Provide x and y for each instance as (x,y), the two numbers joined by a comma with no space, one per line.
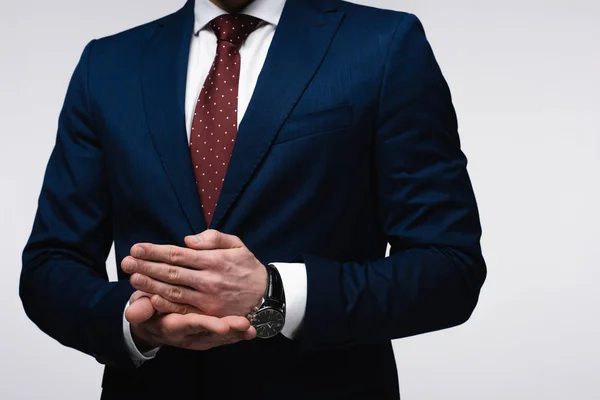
(169,254)
(213,240)
(175,256)
(159,271)
(192,324)
(201,323)
(174,293)
(139,311)
(137,295)
(239,324)
(168,307)
(250,334)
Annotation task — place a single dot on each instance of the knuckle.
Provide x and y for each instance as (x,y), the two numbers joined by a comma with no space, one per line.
(175,255)
(139,281)
(226,286)
(164,306)
(175,293)
(197,281)
(172,274)
(218,284)
(211,284)
(215,309)
(172,307)
(214,259)
(148,283)
(209,308)
(159,303)
(211,235)
(143,266)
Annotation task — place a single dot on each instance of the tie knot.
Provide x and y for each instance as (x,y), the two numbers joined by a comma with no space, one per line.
(234,28)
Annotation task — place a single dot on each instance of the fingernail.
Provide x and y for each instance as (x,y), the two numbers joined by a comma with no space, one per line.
(129,264)
(138,251)
(139,280)
(198,238)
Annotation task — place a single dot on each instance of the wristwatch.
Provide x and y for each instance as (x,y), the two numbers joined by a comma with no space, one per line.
(269,316)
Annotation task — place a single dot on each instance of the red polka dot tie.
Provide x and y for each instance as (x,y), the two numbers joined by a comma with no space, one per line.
(214,127)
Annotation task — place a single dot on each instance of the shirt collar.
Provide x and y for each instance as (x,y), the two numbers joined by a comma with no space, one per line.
(268,11)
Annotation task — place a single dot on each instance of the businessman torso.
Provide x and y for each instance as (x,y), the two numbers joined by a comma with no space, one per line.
(288,176)
(300,179)
(313,177)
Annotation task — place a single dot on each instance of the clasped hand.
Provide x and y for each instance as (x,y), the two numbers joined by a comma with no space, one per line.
(195,297)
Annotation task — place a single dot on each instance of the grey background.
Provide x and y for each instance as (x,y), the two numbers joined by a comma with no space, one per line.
(525,79)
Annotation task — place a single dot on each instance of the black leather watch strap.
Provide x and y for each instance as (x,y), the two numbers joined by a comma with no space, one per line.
(275,290)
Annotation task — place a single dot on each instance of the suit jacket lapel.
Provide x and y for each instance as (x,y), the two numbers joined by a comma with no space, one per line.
(164,76)
(301,41)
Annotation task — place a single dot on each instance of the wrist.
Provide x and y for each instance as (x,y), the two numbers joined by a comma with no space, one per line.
(262,287)
(262,291)
(266,279)
(269,317)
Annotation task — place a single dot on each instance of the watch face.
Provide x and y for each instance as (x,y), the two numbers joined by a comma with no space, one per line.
(268,323)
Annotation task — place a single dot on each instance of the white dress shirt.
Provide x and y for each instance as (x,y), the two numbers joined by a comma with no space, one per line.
(253,54)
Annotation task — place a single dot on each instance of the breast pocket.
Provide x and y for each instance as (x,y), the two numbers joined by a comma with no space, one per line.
(307,125)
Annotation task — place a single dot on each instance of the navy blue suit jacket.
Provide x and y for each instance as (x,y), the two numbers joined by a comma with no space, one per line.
(349,143)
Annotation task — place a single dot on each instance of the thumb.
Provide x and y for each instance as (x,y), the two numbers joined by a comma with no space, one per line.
(212,240)
(139,311)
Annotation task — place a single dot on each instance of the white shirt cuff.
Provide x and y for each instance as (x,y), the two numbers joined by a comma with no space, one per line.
(138,357)
(294,281)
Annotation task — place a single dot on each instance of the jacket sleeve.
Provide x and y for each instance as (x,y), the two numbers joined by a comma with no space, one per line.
(427,209)
(64,285)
